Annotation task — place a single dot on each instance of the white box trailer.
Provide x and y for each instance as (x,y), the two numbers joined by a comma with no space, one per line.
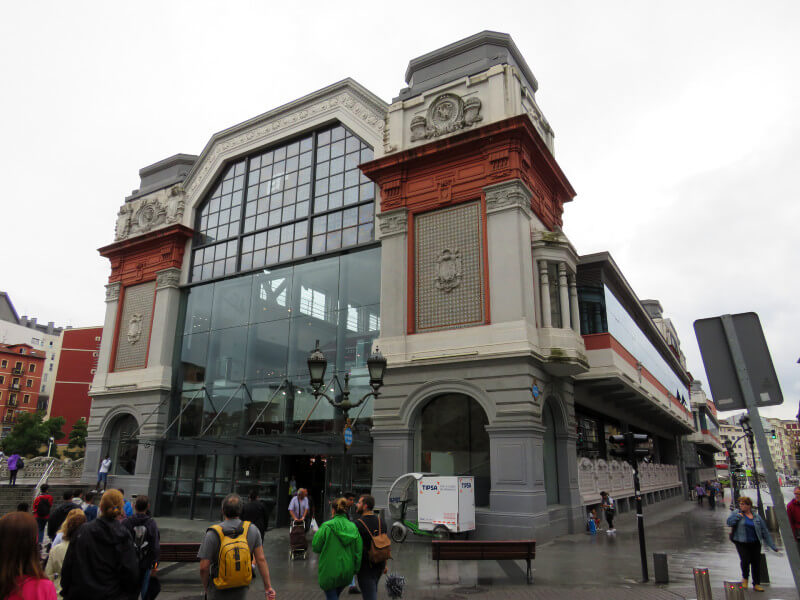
(447,501)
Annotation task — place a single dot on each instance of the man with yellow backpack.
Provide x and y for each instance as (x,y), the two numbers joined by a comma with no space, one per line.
(227,554)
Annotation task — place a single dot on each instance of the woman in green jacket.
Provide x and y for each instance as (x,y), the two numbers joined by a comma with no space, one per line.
(338,544)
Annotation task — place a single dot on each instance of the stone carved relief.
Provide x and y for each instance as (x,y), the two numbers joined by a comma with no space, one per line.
(393,223)
(151,212)
(511,194)
(446,114)
(112,292)
(448,270)
(168,278)
(135,328)
(355,104)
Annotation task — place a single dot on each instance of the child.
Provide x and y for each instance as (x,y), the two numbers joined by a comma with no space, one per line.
(591,523)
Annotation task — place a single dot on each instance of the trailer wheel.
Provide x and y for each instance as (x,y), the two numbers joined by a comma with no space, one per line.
(441,532)
(398,533)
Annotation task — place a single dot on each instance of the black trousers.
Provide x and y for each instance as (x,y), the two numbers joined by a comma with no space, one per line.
(12,477)
(750,559)
(610,518)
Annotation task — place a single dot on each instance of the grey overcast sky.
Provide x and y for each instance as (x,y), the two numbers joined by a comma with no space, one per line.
(676,122)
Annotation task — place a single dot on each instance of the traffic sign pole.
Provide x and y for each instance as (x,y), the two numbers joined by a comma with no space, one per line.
(761,441)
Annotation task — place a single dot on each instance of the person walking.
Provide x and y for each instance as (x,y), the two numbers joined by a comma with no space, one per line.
(102,472)
(256,512)
(609,506)
(375,545)
(41,509)
(298,507)
(127,507)
(351,500)
(91,507)
(749,532)
(700,490)
(21,574)
(101,561)
(232,583)
(15,463)
(793,509)
(59,514)
(711,492)
(55,562)
(339,546)
(146,540)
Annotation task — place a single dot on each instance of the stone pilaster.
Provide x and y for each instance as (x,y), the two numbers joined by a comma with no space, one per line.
(393,226)
(392,456)
(508,222)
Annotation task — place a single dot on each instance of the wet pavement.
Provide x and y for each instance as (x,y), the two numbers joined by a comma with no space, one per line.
(577,566)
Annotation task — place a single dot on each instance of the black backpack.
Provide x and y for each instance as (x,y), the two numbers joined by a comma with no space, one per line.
(142,545)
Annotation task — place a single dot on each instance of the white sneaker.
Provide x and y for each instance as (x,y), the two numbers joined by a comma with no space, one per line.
(612,531)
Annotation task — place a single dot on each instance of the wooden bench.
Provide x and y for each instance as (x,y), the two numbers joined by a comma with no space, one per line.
(484,550)
(177,552)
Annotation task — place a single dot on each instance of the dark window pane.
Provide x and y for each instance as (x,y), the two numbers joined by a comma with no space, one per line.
(231,302)
(198,309)
(267,350)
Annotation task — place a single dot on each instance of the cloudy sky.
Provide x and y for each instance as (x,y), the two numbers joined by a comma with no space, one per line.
(677,124)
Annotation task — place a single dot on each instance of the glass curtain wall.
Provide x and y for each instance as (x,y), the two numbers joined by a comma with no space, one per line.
(246,341)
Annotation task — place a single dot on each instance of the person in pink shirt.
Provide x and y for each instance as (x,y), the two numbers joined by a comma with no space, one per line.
(21,574)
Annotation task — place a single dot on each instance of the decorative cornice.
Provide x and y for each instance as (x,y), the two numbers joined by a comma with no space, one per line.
(508,195)
(161,209)
(394,222)
(168,278)
(112,291)
(358,105)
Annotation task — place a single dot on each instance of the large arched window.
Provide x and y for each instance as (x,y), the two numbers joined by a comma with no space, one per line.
(303,197)
(454,441)
(550,455)
(124,445)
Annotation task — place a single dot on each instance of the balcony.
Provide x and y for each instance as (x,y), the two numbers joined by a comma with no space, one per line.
(13,402)
(707,439)
(18,371)
(9,419)
(617,380)
(14,386)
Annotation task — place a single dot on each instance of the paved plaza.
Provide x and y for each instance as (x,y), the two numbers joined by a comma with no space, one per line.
(578,566)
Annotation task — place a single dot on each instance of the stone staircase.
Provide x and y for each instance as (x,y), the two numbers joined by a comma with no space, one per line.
(10,497)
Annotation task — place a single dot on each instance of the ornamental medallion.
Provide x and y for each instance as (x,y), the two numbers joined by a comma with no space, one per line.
(448,270)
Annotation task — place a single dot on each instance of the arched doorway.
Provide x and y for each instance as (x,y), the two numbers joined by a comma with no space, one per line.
(454,441)
(123,445)
(550,455)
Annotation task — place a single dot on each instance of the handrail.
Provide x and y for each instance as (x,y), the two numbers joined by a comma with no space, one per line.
(43,479)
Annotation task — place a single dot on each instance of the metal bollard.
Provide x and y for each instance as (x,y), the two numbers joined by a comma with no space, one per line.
(702,583)
(764,570)
(733,590)
(772,520)
(660,567)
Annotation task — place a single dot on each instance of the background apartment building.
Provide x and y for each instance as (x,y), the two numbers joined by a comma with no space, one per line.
(15,329)
(20,381)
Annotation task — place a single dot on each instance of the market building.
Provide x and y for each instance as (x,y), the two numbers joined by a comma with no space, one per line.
(429,227)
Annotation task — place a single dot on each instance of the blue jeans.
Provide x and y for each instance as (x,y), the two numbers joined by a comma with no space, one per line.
(41,523)
(145,583)
(333,594)
(369,585)
(102,478)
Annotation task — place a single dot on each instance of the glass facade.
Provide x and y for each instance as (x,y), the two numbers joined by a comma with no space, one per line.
(625,330)
(246,341)
(303,197)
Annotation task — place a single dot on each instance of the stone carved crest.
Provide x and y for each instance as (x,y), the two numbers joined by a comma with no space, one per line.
(145,214)
(135,328)
(446,114)
(448,270)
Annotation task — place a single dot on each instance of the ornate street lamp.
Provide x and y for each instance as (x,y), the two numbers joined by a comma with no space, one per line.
(317,364)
